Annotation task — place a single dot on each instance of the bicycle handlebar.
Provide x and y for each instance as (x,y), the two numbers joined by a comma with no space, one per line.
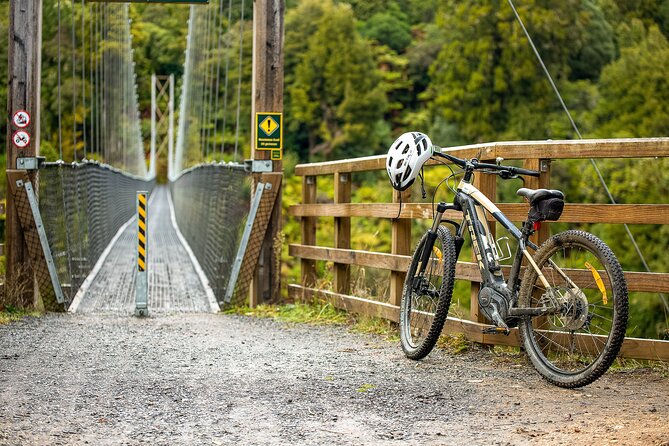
(504,171)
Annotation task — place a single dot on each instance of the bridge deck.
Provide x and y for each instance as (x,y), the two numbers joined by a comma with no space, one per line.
(174,285)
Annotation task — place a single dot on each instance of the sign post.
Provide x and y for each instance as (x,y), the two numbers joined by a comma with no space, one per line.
(141,282)
(23,106)
(266,130)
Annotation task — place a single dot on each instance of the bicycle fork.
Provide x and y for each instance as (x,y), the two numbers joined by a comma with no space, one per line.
(432,235)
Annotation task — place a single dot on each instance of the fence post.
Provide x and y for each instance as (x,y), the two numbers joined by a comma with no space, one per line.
(342,235)
(488,185)
(401,244)
(308,226)
(543,182)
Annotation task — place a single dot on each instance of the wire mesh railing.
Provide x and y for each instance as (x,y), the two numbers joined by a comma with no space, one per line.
(83,205)
(211,204)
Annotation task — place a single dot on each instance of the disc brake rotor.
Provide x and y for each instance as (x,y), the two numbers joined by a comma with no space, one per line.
(575,309)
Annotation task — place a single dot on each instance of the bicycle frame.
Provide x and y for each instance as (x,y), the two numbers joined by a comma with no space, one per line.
(474,205)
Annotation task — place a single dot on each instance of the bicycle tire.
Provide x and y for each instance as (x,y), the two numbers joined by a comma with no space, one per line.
(417,307)
(576,346)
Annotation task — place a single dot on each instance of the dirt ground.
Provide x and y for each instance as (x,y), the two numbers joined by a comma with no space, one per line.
(213,379)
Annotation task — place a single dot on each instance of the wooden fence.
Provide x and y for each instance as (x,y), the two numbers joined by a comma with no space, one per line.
(535,155)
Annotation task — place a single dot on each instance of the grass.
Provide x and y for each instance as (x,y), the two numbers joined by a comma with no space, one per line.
(11,314)
(321,313)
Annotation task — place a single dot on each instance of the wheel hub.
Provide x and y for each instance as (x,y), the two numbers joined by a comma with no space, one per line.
(575,309)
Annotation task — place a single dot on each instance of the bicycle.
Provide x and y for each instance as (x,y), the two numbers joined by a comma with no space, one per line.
(570,305)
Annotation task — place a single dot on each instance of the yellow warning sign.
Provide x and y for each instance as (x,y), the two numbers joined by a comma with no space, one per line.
(269,131)
(269,125)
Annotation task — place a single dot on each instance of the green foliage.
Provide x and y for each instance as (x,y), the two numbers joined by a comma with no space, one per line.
(388,29)
(635,89)
(335,97)
(11,314)
(316,313)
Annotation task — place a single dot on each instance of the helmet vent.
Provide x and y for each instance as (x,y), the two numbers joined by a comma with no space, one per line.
(406,149)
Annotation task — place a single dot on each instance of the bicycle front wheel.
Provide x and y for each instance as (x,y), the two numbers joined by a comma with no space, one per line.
(577,344)
(426,297)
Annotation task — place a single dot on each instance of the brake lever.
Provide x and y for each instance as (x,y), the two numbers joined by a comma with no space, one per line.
(507,175)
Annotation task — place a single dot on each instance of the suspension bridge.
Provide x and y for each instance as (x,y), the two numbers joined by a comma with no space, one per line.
(208,229)
(78,239)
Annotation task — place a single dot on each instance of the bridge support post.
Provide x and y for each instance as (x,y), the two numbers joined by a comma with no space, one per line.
(267,89)
(25,50)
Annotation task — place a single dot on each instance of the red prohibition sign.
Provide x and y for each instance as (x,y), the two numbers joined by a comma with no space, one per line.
(21,119)
(21,139)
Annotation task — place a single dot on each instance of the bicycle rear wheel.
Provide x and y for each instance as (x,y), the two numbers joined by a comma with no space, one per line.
(576,345)
(426,298)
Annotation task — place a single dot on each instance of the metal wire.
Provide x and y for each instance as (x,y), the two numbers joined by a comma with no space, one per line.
(205,85)
(211,203)
(83,205)
(592,161)
(239,79)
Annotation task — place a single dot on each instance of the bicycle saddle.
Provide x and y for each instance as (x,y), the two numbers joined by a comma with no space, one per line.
(534,195)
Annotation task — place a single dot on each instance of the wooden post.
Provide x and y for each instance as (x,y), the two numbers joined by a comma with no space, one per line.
(488,185)
(308,225)
(401,244)
(25,47)
(543,182)
(342,234)
(267,93)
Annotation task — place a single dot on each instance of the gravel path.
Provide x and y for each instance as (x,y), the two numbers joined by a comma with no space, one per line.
(210,379)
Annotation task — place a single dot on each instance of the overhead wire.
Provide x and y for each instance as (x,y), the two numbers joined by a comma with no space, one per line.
(592,161)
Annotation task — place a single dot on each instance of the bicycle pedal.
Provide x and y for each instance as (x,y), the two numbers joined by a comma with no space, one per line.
(496,330)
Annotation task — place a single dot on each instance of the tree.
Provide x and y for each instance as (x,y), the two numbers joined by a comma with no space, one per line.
(335,97)
(388,29)
(486,82)
(635,89)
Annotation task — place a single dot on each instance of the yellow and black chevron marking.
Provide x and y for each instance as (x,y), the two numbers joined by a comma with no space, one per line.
(141,232)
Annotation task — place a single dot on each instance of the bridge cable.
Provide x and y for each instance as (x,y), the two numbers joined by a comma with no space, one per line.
(83,71)
(74,82)
(216,26)
(204,77)
(239,77)
(218,67)
(227,73)
(60,123)
(90,69)
(592,161)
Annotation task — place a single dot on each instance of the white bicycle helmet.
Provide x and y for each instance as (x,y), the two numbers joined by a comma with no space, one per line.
(406,157)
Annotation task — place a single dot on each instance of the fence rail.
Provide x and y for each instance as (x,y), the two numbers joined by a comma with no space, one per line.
(535,155)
